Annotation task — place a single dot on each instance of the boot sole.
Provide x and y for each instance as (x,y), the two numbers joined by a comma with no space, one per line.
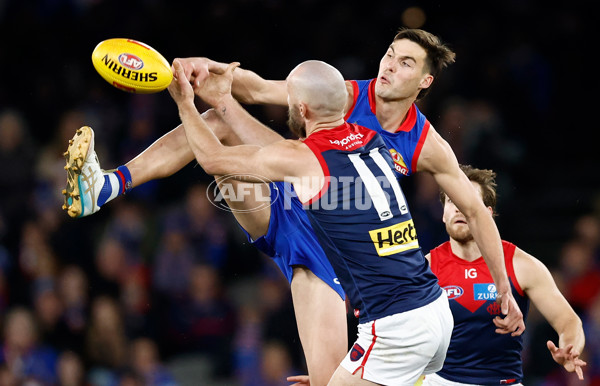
(75,157)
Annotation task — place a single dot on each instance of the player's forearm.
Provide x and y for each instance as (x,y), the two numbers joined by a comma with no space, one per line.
(249,88)
(488,240)
(572,333)
(200,137)
(244,125)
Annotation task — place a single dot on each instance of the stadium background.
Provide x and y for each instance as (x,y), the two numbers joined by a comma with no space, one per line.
(159,285)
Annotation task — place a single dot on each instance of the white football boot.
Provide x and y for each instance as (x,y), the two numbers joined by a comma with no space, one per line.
(85,179)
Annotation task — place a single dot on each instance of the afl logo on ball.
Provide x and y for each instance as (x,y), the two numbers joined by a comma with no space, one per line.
(131,62)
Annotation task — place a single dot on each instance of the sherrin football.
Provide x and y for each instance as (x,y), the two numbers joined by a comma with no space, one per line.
(132,66)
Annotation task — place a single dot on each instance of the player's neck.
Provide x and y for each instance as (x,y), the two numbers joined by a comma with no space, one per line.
(313,127)
(468,251)
(392,113)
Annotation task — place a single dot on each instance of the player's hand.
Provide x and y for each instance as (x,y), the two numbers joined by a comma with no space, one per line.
(567,357)
(216,88)
(299,379)
(513,321)
(197,69)
(180,88)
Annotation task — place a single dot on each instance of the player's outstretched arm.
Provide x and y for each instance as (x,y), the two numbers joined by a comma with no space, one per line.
(248,87)
(438,159)
(276,162)
(245,86)
(537,282)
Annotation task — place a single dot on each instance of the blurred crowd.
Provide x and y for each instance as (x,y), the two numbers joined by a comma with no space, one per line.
(161,287)
(164,289)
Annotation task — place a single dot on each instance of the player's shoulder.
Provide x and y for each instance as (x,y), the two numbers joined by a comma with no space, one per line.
(528,268)
(289,148)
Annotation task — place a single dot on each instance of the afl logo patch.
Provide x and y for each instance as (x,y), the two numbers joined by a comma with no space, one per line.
(131,61)
(453,291)
(357,352)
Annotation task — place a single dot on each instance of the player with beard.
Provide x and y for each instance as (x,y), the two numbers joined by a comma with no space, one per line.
(477,354)
(385,104)
(344,176)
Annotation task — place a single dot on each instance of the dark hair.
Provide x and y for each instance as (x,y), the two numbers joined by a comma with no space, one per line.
(439,55)
(486,179)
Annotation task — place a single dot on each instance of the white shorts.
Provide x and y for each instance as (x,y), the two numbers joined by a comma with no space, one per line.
(397,349)
(436,380)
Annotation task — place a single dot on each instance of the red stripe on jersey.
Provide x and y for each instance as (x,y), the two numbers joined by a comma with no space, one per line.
(372,96)
(355,93)
(509,254)
(364,361)
(346,137)
(419,147)
(315,149)
(411,118)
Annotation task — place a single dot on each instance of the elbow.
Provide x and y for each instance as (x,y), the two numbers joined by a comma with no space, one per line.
(211,166)
(473,213)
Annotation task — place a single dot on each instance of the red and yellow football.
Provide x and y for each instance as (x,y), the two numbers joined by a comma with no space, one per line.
(132,66)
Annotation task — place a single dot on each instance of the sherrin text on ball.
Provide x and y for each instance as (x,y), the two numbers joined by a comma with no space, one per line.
(132,66)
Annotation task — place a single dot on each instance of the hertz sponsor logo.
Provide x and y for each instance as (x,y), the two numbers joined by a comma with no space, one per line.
(129,74)
(394,239)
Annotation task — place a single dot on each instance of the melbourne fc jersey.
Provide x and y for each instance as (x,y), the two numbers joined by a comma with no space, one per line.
(362,221)
(477,354)
(406,143)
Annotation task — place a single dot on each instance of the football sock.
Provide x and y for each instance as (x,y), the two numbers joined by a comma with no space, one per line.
(116,182)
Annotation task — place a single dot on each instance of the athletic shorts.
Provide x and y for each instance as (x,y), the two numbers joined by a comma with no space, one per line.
(436,380)
(290,239)
(398,349)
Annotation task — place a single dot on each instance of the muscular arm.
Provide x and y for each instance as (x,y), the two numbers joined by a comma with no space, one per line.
(537,282)
(247,87)
(278,161)
(438,159)
(250,88)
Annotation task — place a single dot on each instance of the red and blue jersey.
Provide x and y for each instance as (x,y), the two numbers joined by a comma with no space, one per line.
(363,223)
(406,142)
(477,354)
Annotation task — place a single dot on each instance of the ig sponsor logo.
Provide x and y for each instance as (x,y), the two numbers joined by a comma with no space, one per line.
(234,193)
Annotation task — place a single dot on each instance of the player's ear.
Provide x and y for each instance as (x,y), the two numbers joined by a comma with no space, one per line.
(426,81)
(303,109)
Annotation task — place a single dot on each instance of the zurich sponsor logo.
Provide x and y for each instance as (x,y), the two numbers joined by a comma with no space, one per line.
(485,291)
(453,291)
